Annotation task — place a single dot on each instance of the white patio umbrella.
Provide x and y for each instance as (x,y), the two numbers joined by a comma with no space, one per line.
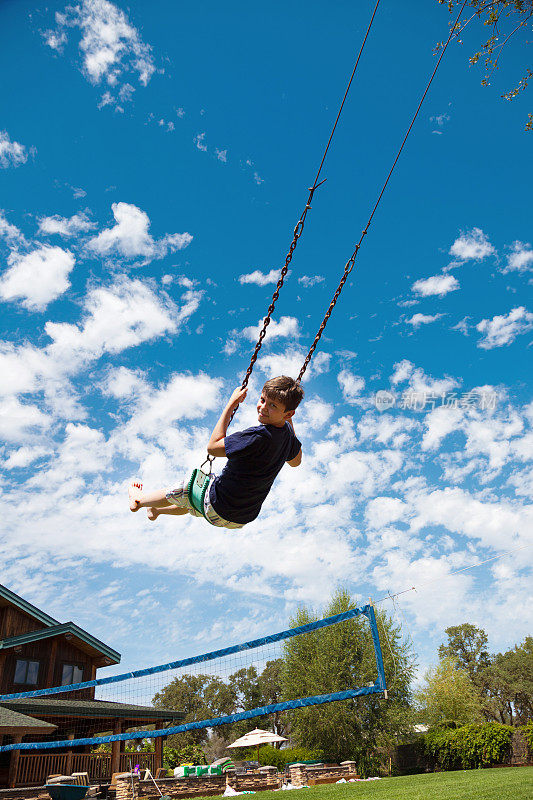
(257,737)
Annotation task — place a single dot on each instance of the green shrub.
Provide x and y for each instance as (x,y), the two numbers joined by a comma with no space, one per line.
(189,754)
(469,746)
(271,756)
(527,730)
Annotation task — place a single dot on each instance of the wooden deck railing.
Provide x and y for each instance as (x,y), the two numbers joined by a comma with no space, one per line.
(144,760)
(34,768)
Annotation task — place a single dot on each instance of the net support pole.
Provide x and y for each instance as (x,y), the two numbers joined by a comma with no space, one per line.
(381,682)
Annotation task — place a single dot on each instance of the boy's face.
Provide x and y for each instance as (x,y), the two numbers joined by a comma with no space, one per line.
(271,411)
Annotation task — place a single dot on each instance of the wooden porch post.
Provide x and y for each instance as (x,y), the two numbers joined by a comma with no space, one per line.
(49,681)
(13,764)
(115,748)
(158,760)
(68,766)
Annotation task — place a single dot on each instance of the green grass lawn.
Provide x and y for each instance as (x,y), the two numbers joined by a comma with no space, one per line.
(515,783)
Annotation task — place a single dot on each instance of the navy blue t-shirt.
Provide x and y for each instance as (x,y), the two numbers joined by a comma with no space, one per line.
(255,456)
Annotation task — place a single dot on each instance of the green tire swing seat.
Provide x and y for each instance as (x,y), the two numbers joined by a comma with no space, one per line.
(198,486)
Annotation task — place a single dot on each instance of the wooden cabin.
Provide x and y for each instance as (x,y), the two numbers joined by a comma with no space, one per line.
(38,652)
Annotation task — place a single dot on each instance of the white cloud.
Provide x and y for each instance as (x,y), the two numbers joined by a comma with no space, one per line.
(381,511)
(287,326)
(460,512)
(436,284)
(462,326)
(314,414)
(123,383)
(20,420)
(291,360)
(503,329)
(37,277)
(440,119)
(199,141)
(107,99)
(131,239)
(185,397)
(440,422)
(65,226)
(55,39)
(117,317)
(472,245)
(258,179)
(222,155)
(10,232)
(521,259)
(402,371)
(24,456)
(422,319)
(351,385)
(260,278)
(386,429)
(111,47)
(11,153)
(419,382)
(310,280)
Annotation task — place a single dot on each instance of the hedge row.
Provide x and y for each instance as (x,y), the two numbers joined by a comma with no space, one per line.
(470,746)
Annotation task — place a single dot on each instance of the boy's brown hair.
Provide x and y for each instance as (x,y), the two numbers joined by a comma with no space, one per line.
(286,390)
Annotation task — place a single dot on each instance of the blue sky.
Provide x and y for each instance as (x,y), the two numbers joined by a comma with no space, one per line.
(153,163)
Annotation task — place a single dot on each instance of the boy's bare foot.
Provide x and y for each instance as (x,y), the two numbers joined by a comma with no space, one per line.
(152,513)
(135,494)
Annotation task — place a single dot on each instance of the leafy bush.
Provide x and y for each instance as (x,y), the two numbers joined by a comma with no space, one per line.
(527,730)
(469,746)
(271,756)
(188,754)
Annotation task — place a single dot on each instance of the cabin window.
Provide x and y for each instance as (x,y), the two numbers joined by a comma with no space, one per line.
(26,672)
(71,673)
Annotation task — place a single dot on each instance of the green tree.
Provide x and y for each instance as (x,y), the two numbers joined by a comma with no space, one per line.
(244,685)
(467,647)
(200,697)
(337,658)
(449,695)
(270,687)
(509,681)
(504,20)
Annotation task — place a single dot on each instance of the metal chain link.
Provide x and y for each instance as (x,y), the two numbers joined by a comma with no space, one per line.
(347,269)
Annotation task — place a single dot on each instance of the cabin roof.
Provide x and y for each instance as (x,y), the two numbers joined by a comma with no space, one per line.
(13,722)
(50,707)
(84,640)
(7,597)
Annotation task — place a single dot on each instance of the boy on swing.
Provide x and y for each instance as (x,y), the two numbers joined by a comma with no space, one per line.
(255,456)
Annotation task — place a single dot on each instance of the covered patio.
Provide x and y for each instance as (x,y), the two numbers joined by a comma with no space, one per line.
(45,719)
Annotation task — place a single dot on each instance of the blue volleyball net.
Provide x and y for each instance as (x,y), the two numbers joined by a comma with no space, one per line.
(210,690)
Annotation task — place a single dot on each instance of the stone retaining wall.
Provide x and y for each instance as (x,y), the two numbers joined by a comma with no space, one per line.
(267,778)
(307,774)
(24,793)
(205,785)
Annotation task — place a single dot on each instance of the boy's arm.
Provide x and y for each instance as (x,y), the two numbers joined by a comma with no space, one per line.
(215,446)
(297,460)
